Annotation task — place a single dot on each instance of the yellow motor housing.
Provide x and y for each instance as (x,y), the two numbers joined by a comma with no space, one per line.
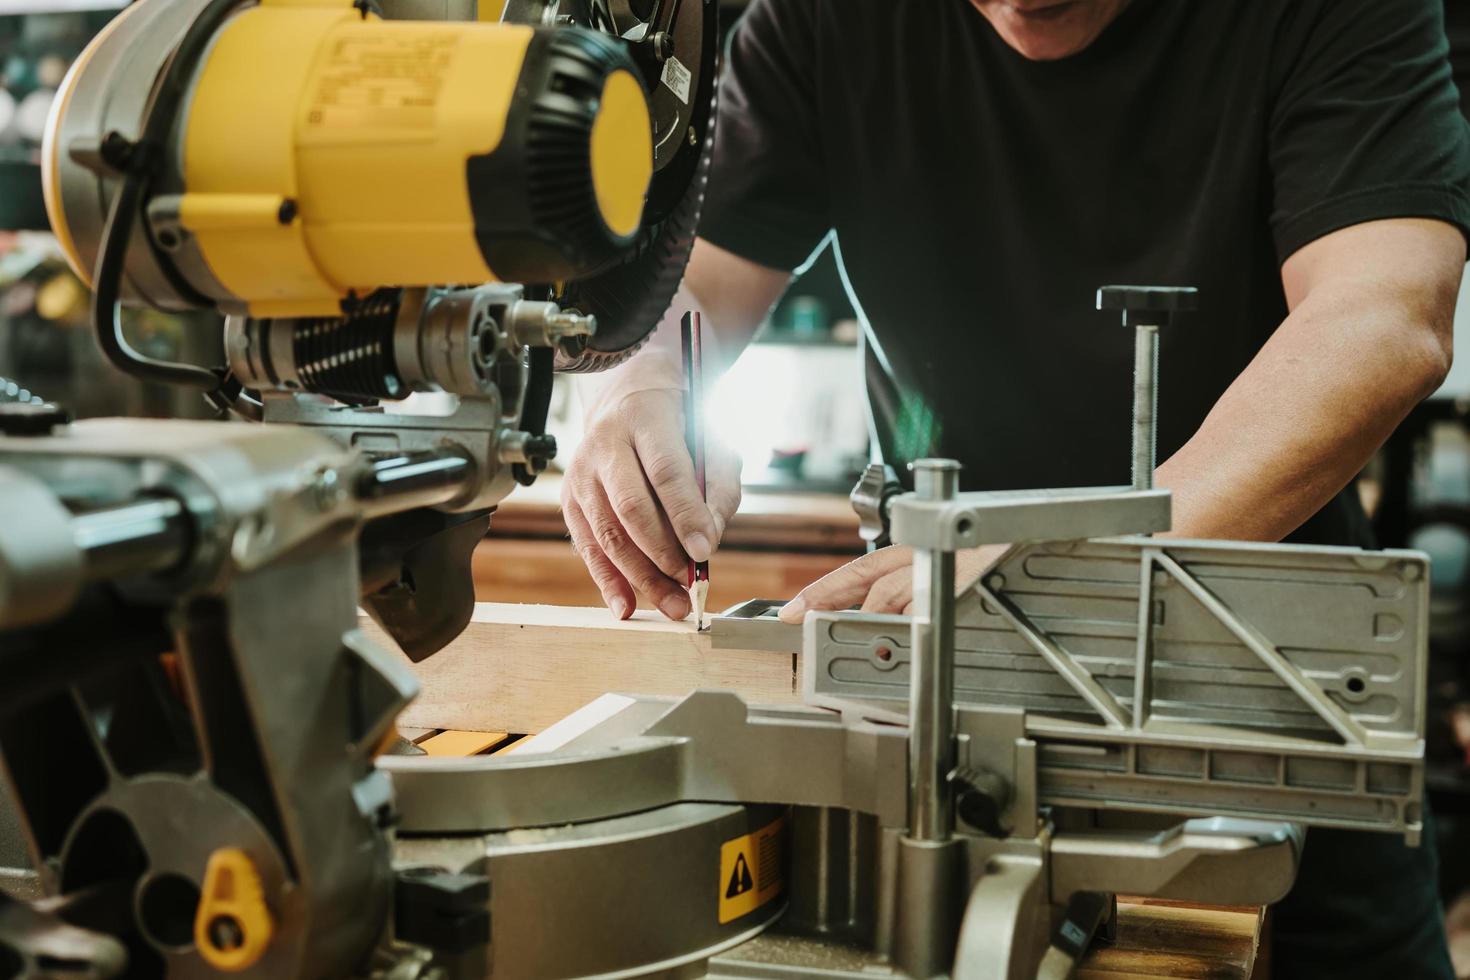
(324,153)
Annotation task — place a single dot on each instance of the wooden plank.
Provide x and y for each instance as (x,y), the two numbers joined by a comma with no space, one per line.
(520,668)
(1158,939)
(457,743)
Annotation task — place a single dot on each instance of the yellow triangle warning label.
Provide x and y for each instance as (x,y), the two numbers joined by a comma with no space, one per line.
(752,870)
(740,881)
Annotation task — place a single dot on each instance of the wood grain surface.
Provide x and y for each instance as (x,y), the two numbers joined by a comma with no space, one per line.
(1171,939)
(519,668)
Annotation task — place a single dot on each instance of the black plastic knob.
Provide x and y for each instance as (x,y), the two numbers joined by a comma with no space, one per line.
(1152,305)
(31,418)
(982,797)
(540,451)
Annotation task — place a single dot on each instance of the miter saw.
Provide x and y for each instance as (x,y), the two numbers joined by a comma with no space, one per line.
(381,207)
(194,728)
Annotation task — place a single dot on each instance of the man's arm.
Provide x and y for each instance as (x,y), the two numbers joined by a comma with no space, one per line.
(629,497)
(1368,337)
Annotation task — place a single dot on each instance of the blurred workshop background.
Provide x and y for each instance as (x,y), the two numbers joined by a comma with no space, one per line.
(793,406)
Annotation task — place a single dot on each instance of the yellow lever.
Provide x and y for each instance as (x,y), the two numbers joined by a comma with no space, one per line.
(232,927)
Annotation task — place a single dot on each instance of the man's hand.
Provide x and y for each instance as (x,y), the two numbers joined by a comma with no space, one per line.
(629,497)
(883,581)
(633,507)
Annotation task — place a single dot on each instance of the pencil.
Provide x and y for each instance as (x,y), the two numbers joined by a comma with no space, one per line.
(689,330)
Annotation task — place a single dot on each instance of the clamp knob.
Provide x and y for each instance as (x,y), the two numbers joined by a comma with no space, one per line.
(1153,306)
(982,797)
(875,489)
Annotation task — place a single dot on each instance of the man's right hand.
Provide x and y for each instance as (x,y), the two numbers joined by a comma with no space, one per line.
(633,507)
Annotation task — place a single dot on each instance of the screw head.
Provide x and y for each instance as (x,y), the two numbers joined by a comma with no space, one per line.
(327,490)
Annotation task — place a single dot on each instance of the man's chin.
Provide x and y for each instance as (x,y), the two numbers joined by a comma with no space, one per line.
(1047,48)
(1045,33)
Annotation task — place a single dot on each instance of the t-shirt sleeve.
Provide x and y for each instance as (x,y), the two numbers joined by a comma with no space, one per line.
(765,200)
(1366,122)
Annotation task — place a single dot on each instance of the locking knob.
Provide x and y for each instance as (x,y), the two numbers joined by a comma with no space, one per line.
(232,927)
(1153,306)
(982,797)
(870,499)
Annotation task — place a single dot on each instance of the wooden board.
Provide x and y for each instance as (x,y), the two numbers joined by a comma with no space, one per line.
(519,668)
(1170,939)
(456,743)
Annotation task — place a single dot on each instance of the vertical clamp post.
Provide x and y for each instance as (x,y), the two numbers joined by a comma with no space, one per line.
(931,685)
(1146,309)
(931,869)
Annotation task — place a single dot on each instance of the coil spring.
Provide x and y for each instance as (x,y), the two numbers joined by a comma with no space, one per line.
(350,357)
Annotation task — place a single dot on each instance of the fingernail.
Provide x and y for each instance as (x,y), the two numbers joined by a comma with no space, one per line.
(675,607)
(698,547)
(792,611)
(619,607)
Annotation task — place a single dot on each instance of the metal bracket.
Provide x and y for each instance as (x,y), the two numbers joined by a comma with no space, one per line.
(752,625)
(969,520)
(1181,675)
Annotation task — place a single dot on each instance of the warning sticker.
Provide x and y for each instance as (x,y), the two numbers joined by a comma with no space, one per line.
(383,82)
(751,870)
(677,78)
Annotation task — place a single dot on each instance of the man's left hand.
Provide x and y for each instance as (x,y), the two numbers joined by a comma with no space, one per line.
(883,581)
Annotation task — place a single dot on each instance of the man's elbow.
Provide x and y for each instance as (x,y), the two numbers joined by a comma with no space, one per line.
(1431,360)
(1434,336)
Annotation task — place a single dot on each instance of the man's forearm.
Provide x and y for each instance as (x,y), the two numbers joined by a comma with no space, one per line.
(1309,411)
(657,365)
(731,294)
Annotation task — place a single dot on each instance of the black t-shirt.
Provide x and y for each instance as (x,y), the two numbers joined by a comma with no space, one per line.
(978,199)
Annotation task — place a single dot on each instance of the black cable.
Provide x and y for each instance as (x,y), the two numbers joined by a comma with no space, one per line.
(135,162)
